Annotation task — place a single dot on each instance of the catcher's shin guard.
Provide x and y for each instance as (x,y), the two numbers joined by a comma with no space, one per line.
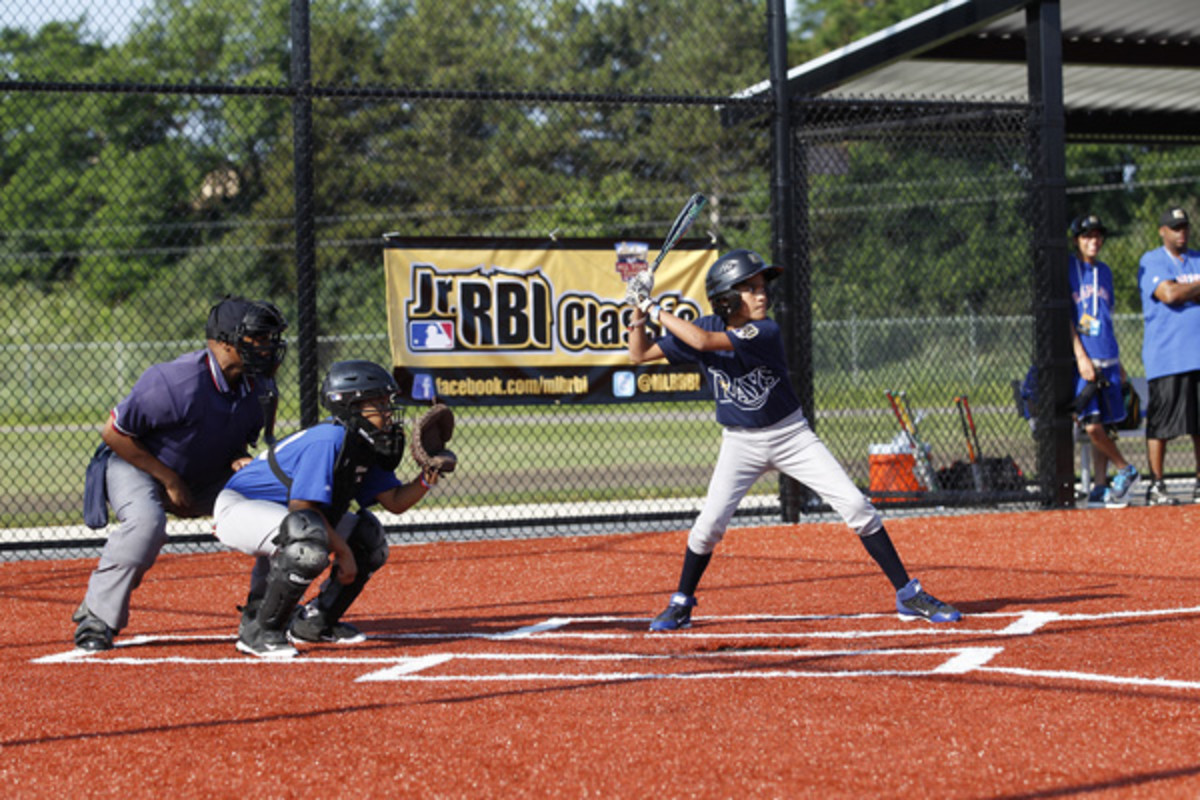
(368,543)
(302,555)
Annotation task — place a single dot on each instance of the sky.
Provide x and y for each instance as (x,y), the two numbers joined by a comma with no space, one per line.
(109,19)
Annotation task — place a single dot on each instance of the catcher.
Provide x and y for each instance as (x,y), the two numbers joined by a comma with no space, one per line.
(290,509)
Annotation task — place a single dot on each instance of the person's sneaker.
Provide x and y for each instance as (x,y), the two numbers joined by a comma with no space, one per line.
(309,625)
(1123,483)
(1102,497)
(92,633)
(255,640)
(913,601)
(678,614)
(1196,493)
(1157,495)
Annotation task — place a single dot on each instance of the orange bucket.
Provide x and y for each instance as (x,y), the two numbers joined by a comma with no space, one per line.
(893,472)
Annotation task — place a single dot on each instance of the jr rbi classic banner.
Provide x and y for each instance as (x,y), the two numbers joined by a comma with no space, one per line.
(533,321)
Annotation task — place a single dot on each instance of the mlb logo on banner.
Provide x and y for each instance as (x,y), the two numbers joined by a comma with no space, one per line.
(431,336)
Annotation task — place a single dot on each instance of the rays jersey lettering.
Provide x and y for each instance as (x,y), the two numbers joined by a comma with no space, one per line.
(749,392)
(750,381)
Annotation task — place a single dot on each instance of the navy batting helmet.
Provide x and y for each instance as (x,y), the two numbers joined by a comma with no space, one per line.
(736,266)
(350,383)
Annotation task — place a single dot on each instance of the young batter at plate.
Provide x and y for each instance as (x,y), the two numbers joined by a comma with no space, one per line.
(740,352)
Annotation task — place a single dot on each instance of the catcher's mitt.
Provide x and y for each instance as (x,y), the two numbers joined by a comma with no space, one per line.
(429,436)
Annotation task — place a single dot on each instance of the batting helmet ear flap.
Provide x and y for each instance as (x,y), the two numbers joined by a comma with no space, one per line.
(726,304)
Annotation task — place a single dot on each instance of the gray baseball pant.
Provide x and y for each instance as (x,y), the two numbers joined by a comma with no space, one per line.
(132,547)
(791,447)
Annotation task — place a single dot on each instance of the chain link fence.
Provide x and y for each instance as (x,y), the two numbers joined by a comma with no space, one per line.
(150,165)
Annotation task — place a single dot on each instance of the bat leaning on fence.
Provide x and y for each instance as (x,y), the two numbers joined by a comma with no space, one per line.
(968,427)
(922,467)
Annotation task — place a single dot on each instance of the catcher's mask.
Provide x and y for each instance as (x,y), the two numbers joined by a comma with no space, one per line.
(347,387)
(254,328)
(736,266)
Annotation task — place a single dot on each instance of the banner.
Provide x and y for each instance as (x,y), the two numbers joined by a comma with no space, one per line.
(524,321)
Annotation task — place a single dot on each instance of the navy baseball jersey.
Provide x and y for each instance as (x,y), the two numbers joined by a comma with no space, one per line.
(309,458)
(189,418)
(750,382)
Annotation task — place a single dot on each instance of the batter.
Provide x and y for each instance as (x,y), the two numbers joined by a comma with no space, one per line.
(740,352)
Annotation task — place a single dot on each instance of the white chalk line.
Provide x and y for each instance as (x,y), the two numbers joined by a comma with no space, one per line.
(959,661)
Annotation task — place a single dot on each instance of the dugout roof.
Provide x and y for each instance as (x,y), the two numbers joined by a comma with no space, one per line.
(1131,68)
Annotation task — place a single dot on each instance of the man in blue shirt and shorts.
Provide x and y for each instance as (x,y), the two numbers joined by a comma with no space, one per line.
(1169,277)
(740,353)
(1099,400)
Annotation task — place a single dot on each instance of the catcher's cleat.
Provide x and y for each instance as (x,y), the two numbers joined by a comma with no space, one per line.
(912,601)
(678,614)
(92,633)
(309,625)
(255,640)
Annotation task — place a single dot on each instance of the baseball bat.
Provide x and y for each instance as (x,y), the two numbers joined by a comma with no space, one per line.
(975,441)
(972,453)
(923,469)
(687,215)
(922,455)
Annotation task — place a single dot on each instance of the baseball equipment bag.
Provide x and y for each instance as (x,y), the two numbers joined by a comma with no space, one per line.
(95,489)
(431,432)
(1133,409)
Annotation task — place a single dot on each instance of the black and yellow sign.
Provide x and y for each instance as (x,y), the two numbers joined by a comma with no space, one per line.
(533,321)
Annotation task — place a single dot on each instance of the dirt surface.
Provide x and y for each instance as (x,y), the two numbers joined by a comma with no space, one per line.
(524,669)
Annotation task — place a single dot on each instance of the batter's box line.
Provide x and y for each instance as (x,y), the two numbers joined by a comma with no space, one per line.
(961,660)
(1024,623)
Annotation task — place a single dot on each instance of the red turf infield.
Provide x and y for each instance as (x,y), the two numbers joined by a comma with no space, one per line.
(1075,673)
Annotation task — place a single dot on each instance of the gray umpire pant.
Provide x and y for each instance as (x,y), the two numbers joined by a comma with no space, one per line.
(132,547)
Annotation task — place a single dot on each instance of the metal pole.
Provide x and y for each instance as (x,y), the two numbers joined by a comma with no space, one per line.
(306,263)
(1052,311)
(794,306)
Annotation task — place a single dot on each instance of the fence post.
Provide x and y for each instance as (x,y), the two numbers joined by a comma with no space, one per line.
(306,262)
(1052,314)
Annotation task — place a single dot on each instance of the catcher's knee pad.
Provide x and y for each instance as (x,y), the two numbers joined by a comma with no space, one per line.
(302,547)
(368,543)
(302,553)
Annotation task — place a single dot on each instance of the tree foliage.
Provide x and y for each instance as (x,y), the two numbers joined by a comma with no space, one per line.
(120,197)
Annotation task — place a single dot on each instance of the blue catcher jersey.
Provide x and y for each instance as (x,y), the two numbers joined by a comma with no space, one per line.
(308,458)
(750,382)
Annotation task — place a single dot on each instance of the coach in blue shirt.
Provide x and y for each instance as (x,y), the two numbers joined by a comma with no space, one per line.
(1169,277)
(184,428)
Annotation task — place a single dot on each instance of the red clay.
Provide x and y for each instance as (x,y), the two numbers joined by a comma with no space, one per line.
(1095,695)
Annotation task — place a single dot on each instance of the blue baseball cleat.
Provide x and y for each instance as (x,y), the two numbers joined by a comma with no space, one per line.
(677,615)
(913,601)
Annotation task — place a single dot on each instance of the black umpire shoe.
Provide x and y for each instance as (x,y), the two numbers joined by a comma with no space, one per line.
(92,633)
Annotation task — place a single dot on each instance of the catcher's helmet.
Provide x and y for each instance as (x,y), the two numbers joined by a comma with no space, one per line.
(346,386)
(254,328)
(736,266)
(1088,222)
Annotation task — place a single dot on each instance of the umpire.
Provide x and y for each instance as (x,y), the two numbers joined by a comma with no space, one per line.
(169,447)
